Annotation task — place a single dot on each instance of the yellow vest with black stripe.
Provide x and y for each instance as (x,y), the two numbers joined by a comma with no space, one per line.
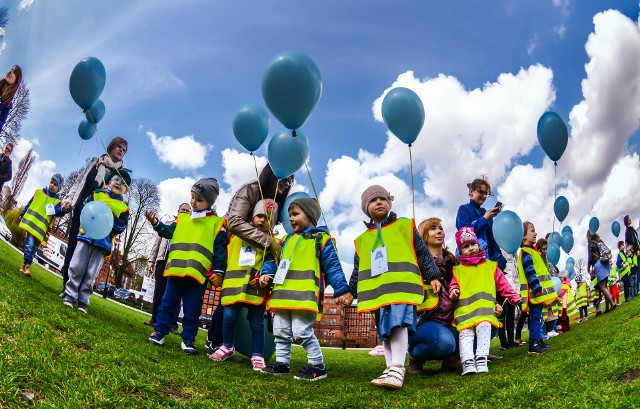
(35,221)
(571,302)
(235,287)
(555,310)
(581,296)
(624,261)
(402,284)
(548,293)
(477,295)
(117,206)
(191,251)
(300,289)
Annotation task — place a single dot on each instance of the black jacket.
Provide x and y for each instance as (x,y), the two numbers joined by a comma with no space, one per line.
(5,170)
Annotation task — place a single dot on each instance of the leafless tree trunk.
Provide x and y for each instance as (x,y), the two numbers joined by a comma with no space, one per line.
(581,269)
(18,181)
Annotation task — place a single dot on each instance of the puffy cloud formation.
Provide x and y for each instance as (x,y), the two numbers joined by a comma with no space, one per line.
(185,153)
(40,172)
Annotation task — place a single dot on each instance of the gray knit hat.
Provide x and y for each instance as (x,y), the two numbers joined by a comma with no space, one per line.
(208,189)
(371,193)
(59,180)
(269,208)
(310,207)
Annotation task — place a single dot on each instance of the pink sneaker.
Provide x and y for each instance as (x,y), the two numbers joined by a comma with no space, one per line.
(258,363)
(377,351)
(223,353)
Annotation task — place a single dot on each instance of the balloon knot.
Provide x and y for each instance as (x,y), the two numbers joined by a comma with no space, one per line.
(409,145)
(251,153)
(555,163)
(293,132)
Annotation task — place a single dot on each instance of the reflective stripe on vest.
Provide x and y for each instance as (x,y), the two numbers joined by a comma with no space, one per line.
(235,287)
(624,261)
(301,287)
(581,295)
(571,302)
(402,284)
(548,293)
(191,252)
(35,220)
(477,295)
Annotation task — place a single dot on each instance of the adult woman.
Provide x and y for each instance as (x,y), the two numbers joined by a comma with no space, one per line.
(600,266)
(630,234)
(91,178)
(474,215)
(8,87)
(435,338)
(5,165)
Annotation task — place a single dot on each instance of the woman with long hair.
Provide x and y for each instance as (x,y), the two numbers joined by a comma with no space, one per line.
(600,267)
(8,88)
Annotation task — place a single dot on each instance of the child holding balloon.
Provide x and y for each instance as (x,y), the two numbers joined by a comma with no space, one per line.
(37,218)
(91,251)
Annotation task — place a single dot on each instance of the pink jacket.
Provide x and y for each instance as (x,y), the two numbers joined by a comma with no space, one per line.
(502,287)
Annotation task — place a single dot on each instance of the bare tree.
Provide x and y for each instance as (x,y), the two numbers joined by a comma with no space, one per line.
(581,269)
(137,239)
(19,111)
(61,224)
(18,181)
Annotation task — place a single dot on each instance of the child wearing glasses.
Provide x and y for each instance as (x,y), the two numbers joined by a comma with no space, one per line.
(37,218)
(91,252)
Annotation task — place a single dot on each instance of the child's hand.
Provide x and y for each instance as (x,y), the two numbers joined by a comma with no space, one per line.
(345,299)
(151,216)
(264,281)
(150,266)
(216,280)
(454,294)
(498,309)
(435,285)
(254,283)
(66,206)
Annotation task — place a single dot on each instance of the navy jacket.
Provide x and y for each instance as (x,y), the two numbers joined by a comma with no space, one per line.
(5,108)
(472,215)
(5,170)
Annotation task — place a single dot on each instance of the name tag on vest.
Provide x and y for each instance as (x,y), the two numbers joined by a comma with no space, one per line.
(197,215)
(50,209)
(247,256)
(379,262)
(281,274)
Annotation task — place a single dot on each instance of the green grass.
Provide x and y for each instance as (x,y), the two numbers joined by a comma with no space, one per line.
(70,360)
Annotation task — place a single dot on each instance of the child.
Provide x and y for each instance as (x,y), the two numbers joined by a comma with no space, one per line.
(623,265)
(37,218)
(536,287)
(241,289)
(569,308)
(308,259)
(198,243)
(475,284)
(551,319)
(90,253)
(582,299)
(391,265)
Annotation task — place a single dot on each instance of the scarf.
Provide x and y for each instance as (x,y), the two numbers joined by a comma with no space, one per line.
(105,164)
(473,259)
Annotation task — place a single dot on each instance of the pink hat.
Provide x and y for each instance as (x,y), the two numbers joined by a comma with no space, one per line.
(465,235)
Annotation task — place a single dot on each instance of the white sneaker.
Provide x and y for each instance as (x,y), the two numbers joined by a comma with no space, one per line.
(395,377)
(552,334)
(482,364)
(82,309)
(469,367)
(68,304)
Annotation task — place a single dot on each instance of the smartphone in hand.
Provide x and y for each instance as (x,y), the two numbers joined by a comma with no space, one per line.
(499,205)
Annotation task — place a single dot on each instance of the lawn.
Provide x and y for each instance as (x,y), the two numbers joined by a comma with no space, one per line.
(53,356)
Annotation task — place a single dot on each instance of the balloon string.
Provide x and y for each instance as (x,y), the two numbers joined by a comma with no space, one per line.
(413,194)
(555,192)
(255,165)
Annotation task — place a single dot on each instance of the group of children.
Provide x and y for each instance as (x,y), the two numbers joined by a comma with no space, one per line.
(394,277)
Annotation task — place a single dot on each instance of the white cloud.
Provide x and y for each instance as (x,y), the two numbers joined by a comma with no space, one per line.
(563,5)
(560,30)
(40,172)
(183,153)
(25,5)
(173,192)
(533,44)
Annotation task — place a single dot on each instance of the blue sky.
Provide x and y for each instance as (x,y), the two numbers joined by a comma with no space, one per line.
(182,69)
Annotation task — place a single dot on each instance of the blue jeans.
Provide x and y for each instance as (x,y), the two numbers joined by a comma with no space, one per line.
(255,316)
(626,282)
(433,341)
(633,284)
(190,292)
(29,249)
(535,322)
(584,312)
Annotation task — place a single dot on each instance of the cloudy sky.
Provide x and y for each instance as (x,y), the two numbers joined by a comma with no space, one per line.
(178,71)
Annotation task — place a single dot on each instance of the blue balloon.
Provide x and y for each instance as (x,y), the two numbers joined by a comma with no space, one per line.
(96,112)
(571,261)
(571,271)
(86,130)
(284,212)
(566,242)
(508,231)
(567,229)
(287,153)
(96,220)
(594,225)
(87,82)
(291,87)
(251,126)
(555,238)
(552,135)
(615,228)
(403,112)
(553,253)
(561,208)
(557,284)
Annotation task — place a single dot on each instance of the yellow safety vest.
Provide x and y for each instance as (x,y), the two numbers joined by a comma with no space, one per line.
(477,295)
(581,296)
(555,310)
(117,206)
(571,302)
(191,252)
(300,289)
(235,287)
(548,295)
(35,221)
(402,284)
(624,261)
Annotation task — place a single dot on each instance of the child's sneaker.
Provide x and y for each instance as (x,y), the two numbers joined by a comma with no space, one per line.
(536,348)
(82,308)
(469,367)
(258,363)
(312,372)
(67,303)
(27,270)
(482,364)
(189,347)
(277,368)
(223,353)
(377,351)
(380,379)
(156,338)
(394,378)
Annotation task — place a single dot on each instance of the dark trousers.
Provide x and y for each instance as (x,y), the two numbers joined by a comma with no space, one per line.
(215,330)
(158,292)
(584,312)
(626,282)
(74,229)
(190,292)
(507,318)
(524,317)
